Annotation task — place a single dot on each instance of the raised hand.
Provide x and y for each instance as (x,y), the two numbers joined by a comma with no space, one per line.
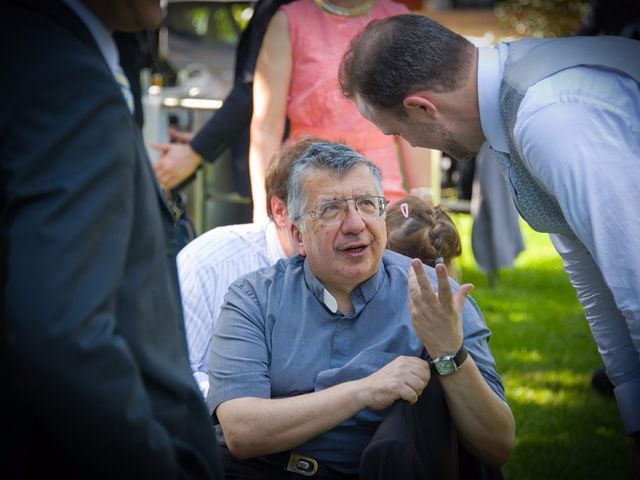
(437,317)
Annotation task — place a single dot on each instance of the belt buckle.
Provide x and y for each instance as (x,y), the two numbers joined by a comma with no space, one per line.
(302,465)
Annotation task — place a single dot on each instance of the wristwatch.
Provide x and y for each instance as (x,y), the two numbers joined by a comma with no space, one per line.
(448,364)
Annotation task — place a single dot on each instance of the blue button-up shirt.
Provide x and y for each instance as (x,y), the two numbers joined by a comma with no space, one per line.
(278,335)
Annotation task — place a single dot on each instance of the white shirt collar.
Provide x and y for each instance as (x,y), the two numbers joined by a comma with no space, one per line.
(490,68)
(99,32)
(274,249)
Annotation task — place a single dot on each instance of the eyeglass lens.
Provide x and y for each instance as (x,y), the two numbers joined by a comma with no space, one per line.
(369,207)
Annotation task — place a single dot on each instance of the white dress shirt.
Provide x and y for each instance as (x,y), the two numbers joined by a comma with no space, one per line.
(206,268)
(578,132)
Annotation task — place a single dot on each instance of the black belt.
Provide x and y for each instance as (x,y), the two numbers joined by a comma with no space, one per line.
(287,461)
(306,466)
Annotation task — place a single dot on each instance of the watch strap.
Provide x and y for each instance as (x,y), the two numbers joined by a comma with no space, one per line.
(448,364)
(461,356)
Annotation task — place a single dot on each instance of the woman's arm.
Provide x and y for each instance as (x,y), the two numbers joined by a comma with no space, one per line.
(270,90)
(417,166)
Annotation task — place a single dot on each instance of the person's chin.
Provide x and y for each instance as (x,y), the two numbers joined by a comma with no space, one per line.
(462,157)
(359,275)
(458,151)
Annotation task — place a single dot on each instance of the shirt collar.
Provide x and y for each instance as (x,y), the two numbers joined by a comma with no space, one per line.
(99,32)
(490,69)
(360,296)
(274,249)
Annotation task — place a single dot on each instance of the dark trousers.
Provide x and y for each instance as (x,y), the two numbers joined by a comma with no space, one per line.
(418,442)
(413,442)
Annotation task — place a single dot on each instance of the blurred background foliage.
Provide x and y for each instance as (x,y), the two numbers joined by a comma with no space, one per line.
(542,18)
(545,353)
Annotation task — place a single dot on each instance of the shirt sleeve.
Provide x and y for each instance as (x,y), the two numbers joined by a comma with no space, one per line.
(239,357)
(233,118)
(607,325)
(588,160)
(476,339)
(196,287)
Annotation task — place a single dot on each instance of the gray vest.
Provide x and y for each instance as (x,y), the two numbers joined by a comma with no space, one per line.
(530,61)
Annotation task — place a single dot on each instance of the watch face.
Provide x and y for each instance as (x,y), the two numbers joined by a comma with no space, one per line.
(445,366)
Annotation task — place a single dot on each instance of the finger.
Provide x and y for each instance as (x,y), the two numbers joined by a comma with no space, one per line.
(162,176)
(161,147)
(170,183)
(160,168)
(408,394)
(422,370)
(416,383)
(414,288)
(424,282)
(461,296)
(413,366)
(444,287)
(177,135)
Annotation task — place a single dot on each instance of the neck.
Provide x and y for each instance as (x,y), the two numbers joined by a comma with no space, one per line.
(343,298)
(346,8)
(286,242)
(462,108)
(349,3)
(475,133)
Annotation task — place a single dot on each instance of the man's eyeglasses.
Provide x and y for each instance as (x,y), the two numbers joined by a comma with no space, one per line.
(370,207)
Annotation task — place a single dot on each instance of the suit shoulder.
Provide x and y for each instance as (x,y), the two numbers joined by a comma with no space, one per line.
(41,50)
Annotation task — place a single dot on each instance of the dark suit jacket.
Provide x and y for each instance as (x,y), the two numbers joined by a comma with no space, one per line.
(229,127)
(96,380)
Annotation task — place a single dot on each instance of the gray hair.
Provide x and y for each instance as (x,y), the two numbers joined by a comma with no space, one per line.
(323,155)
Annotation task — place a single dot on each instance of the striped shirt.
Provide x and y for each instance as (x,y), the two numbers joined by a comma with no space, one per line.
(206,268)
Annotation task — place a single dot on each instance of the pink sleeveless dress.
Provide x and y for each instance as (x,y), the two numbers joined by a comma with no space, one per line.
(315,105)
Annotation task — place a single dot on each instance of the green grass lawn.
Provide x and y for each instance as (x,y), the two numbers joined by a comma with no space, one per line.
(545,354)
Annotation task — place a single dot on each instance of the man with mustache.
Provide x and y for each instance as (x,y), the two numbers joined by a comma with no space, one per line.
(309,354)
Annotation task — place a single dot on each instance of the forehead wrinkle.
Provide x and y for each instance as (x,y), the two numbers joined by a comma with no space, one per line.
(329,198)
(326,185)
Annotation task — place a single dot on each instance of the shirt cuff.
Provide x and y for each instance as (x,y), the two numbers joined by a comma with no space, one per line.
(202,379)
(628,398)
(203,146)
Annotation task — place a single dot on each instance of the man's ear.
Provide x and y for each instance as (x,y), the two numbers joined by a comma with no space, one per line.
(296,235)
(279,212)
(420,105)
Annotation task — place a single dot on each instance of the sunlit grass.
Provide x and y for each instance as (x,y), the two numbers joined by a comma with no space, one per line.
(546,355)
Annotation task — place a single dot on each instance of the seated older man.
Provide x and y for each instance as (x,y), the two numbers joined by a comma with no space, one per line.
(309,354)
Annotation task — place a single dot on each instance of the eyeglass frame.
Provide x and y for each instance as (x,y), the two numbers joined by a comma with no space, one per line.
(382,206)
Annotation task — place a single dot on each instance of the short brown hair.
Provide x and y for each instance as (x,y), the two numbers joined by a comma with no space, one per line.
(279,168)
(427,232)
(400,55)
